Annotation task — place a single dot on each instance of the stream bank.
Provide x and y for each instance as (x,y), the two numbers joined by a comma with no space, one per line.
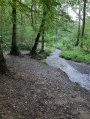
(77,72)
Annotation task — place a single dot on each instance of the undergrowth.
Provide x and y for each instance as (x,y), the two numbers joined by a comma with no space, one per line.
(42,55)
(78,56)
(43,61)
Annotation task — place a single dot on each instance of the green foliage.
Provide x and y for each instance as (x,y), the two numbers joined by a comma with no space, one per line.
(77,83)
(6,46)
(56,20)
(49,50)
(58,45)
(86,44)
(24,46)
(42,55)
(86,40)
(78,56)
(43,61)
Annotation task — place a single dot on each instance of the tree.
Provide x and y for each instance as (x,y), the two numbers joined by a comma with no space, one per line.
(1,21)
(14,48)
(83,25)
(79,23)
(49,11)
(33,51)
(32,19)
(43,39)
(3,66)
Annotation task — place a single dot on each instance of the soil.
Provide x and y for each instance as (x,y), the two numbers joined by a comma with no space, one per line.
(81,67)
(33,90)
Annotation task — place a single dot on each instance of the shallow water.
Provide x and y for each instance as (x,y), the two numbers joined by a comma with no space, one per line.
(73,74)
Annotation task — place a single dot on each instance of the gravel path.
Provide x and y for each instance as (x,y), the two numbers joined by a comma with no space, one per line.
(77,72)
(39,91)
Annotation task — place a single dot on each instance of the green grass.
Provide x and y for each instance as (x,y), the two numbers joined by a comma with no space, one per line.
(49,50)
(43,55)
(77,83)
(43,61)
(59,46)
(78,56)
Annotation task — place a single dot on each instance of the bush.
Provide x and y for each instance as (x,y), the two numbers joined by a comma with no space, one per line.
(24,46)
(6,46)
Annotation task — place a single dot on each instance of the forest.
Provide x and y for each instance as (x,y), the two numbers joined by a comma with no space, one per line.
(38,39)
(43,26)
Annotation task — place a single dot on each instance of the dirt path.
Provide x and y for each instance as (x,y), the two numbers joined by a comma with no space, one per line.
(38,91)
(77,72)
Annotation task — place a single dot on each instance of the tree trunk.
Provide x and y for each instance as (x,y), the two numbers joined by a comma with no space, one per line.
(35,17)
(33,51)
(56,32)
(79,23)
(14,48)
(3,66)
(42,47)
(83,25)
(32,20)
(1,25)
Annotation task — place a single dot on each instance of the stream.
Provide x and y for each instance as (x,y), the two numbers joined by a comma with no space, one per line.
(77,72)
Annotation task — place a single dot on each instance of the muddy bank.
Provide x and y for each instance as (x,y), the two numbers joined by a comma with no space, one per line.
(77,72)
(38,91)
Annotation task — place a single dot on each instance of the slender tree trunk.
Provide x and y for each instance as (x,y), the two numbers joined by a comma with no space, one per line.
(21,37)
(42,47)
(83,25)
(1,25)
(56,33)
(32,20)
(33,14)
(21,17)
(3,66)
(35,10)
(25,20)
(14,48)
(1,32)
(33,51)
(79,23)
(66,18)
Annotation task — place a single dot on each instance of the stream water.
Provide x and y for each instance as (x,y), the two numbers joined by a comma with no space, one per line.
(74,75)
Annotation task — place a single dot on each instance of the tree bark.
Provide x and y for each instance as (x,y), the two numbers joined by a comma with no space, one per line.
(35,17)
(32,20)
(42,47)
(1,25)
(79,23)
(56,32)
(14,48)
(3,66)
(33,51)
(83,25)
